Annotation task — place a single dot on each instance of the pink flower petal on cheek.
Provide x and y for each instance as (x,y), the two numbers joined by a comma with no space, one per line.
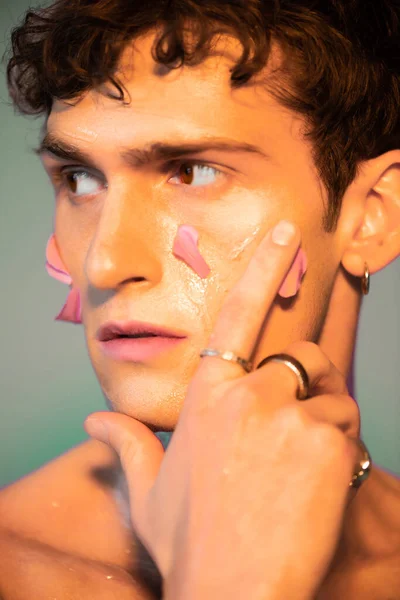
(54,265)
(185,248)
(71,312)
(72,309)
(292,282)
(59,275)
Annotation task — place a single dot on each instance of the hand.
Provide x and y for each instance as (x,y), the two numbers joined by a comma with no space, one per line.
(248,499)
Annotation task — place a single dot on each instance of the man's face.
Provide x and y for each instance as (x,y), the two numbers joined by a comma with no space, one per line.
(116,240)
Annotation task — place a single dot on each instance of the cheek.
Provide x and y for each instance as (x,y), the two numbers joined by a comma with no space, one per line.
(225,274)
(298,310)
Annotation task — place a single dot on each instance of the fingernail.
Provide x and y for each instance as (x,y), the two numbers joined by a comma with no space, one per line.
(283,233)
(97,429)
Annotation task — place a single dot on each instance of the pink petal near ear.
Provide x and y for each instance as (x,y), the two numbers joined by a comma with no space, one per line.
(185,248)
(292,282)
(54,265)
(72,309)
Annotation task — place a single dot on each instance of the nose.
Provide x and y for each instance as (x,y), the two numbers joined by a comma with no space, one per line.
(124,247)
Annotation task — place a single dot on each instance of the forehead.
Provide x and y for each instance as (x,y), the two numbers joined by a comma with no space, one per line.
(184,103)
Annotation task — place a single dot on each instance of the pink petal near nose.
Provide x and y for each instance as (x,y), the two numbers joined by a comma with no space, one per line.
(292,282)
(71,312)
(185,248)
(72,309)
(54,265)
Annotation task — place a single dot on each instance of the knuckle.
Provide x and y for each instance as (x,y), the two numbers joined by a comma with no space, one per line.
(312,352)
(129,451)
(355,418)
(228,314)
(330,441)
(245,289)
(127,454)
(246,296)
(322,367)
(303,346)
(238,305)
(225,398)
(293,416)
(242,394)
(355,410)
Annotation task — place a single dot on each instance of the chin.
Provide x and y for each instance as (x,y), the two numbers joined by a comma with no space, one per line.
(153,392)
(154,400)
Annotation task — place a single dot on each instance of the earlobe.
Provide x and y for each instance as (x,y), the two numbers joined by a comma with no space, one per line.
(376,240)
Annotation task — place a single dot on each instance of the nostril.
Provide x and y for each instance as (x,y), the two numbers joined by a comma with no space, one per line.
(135,279)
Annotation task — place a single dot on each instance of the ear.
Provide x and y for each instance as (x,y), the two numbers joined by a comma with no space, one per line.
(370,216)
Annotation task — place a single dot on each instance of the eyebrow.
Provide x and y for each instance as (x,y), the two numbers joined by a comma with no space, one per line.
(148,154)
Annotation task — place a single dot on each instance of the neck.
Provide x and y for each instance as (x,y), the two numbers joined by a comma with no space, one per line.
(371,527)
(339,333)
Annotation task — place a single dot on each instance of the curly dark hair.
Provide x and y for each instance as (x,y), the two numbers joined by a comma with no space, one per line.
(340,72)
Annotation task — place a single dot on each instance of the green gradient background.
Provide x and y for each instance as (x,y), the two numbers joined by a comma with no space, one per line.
(47,385)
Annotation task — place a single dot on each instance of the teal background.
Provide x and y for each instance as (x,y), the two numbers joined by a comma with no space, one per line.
(47,386)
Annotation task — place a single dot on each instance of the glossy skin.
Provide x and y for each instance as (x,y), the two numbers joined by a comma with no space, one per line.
(250,495)
(117,242)
(117,245)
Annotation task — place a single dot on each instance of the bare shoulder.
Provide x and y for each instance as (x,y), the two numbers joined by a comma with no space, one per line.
(372,580)
(31,570)
(70,504)
(367,564)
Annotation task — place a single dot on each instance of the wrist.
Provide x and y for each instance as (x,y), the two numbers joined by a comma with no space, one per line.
(179,586)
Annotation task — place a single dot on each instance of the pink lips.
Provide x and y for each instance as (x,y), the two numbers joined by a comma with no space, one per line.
(150,340)
(114,329)
(138,349)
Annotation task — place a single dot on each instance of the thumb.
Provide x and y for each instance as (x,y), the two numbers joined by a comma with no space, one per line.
(140,453)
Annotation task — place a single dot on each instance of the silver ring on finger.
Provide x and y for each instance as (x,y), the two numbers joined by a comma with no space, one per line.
(364,467)
(303,388)
(228,355)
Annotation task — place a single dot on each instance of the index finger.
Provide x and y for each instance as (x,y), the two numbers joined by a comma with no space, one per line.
(246,306)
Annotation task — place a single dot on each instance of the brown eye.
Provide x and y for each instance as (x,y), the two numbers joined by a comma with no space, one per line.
(72,184)
(80,182)
(195,175)
(186,173)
